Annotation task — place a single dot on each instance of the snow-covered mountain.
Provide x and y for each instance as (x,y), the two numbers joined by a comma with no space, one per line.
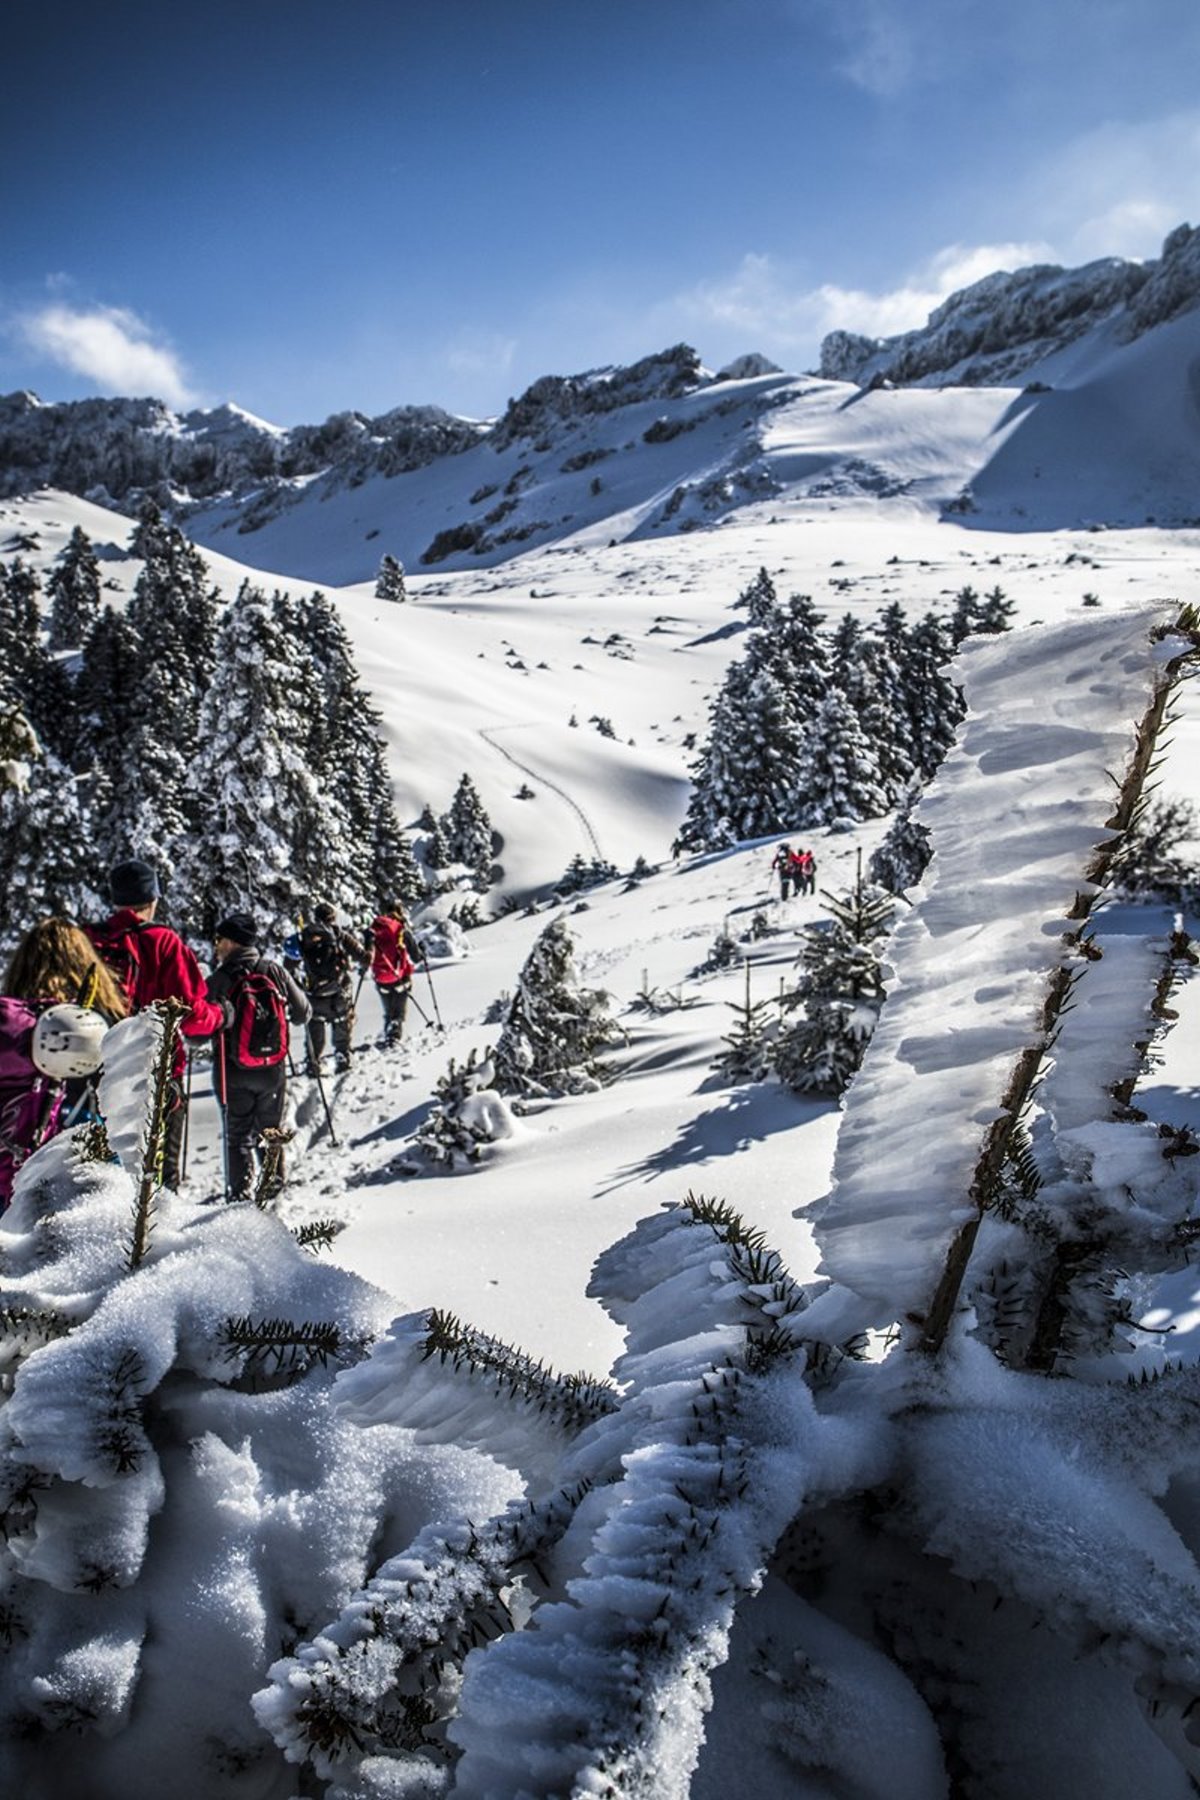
(1001,329)
(1105,430)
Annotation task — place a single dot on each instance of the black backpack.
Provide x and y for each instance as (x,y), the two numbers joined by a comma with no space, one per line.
(325,961)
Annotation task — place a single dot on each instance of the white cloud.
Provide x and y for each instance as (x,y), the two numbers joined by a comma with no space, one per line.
(1118,190)
(770,313)
(112,347)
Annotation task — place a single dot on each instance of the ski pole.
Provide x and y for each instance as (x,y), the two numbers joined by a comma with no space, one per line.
(413,1001)
(432,995)
(321,1087)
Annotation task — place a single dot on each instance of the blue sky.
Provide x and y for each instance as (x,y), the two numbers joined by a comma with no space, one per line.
(304,206)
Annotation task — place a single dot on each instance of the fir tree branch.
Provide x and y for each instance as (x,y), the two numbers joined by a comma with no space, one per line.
(575,1401)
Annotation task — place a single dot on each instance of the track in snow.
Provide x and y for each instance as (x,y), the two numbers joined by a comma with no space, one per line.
(490,737)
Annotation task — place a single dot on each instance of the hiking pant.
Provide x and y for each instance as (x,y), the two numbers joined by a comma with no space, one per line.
(251,1107)
(332,1010)
(785,885)
(394,999)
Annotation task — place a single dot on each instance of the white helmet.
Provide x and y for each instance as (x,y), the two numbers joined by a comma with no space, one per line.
(67,1041)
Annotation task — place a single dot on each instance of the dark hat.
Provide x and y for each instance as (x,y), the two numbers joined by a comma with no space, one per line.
(326,913)
(239,928)
(133,883)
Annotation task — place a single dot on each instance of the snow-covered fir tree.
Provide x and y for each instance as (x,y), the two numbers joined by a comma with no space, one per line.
(556,1027)
(746,779)
(902,855)
(971,614)
(759,597)
(468,1114)
(73,589)
(840,782)
(48,861)
(469,832)
(841,990)
(747,1054)
(267,837)
(932,699)
(437,852)
(348,756)
(162,1357)
(389,583)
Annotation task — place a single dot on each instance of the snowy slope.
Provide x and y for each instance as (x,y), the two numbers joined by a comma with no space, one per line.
(444,671)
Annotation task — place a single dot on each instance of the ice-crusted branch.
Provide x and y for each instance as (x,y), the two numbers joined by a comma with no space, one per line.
(997,1144)
(380,1678)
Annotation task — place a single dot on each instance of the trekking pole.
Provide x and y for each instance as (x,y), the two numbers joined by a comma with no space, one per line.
(432,994)
(222,1101)
(413,1001)
(90,1099)
(321,1088)
(187,1114)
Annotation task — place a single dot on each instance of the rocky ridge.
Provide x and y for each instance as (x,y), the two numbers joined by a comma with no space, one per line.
(996,332)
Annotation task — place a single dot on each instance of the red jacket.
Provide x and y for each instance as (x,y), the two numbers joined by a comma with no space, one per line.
(167,970)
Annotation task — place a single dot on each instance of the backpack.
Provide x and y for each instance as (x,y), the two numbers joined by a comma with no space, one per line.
(325,961)
(259,1033)
(116,946)
(390,961)
(30,1105)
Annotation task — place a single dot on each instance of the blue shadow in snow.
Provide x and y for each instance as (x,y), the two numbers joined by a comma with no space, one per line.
(749,1115)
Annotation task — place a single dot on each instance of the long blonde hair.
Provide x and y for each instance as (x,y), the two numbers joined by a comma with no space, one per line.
(55,960)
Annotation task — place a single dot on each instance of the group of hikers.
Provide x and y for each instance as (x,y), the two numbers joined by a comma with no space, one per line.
(796,869)
(67,983)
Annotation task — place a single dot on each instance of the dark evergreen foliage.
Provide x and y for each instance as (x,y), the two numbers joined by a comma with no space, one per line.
(902,856)
(841,989)
(389,583)
(73,589)
(555,1026)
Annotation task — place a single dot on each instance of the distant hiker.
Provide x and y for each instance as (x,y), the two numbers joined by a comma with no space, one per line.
(151,962)
(783,864)
(48,1040)
(394,954)
(806,872)
(328,949)
(259,1000)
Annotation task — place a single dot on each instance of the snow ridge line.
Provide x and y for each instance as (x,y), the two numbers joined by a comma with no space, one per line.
(489,737)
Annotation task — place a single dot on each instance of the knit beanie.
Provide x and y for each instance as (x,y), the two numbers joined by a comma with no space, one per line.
(133,883)
(239,928)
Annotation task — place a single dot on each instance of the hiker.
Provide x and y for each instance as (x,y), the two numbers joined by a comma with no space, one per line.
(49,1042)
(806,872)
(258,999)
(56,962)
(151,962)
(327,949)
(394,953)
(783,864)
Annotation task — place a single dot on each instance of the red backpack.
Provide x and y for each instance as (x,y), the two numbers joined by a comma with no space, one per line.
(390,961)
(116,946)
(259,1033)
